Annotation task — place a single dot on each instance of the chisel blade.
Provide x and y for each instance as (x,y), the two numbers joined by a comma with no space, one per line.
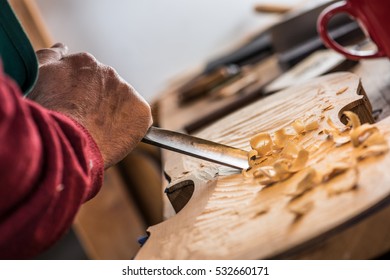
(197,147)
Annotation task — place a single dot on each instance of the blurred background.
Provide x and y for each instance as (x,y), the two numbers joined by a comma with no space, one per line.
(151,41)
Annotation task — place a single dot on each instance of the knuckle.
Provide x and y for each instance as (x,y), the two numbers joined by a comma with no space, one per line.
(48,54)
(84,59)
(111,72)
(88,57)
(145,114)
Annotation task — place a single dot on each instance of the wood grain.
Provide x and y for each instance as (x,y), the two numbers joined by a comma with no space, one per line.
(232,217)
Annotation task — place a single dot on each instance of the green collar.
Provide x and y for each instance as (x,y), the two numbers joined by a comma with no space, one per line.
(16,52)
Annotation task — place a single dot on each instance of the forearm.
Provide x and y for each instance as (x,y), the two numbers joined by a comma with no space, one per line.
(49,165)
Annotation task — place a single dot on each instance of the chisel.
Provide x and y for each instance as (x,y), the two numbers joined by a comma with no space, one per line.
(197,147)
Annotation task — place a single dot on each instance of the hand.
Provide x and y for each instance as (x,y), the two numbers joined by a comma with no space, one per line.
(94,95)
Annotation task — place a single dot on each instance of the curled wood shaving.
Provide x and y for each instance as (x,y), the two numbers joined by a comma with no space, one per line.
(301,128)
(248,173)
(375,138)
(340,140)
(252,155)
(281,168)
(310,179)
(311,126)
(290,150)
(281,138)
(298,126)
(353,119)
(262,143)
(371,151)
(266,175)
(361,133)
(300,162)
(266,171)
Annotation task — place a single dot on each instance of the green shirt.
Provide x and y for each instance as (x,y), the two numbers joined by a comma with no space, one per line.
(17,54)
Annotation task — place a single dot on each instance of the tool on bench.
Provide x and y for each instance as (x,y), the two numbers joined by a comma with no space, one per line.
(291,40)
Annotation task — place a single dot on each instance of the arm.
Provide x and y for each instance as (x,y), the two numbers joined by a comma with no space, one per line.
(49,163)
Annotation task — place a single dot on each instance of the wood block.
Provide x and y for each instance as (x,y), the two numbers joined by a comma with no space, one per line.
(232,217)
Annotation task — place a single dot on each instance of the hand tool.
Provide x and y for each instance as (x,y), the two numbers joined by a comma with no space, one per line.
(197,147)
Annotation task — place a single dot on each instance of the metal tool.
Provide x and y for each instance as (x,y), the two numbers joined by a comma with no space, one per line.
(197,147)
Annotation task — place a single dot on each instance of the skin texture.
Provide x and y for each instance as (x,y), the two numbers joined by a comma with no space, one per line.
(94,95)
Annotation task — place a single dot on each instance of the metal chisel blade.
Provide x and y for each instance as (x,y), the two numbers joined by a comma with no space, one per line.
(197,147)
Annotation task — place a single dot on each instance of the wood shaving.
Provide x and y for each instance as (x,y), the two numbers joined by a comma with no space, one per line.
(277,157)
(300,162)
(290,150)
(281,168)
(312,126)
(341,91)
(300,207)
(262,143)
(340,140)
(362,133)
(375,138)
(252,155)
(353,119)
(248,173)
(372,151)
(281,138)
(298,126)
(334,169)
(331,124)
(313,148)
(343,183)
(327,108)
(309,180)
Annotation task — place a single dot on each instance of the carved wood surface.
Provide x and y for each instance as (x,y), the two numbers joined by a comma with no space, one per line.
(233,217)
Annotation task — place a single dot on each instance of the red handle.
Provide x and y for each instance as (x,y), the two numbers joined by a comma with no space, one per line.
(322,27)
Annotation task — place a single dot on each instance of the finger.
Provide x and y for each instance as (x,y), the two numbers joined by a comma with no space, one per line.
(55,53)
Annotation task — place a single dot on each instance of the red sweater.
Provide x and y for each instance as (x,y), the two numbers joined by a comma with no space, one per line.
(49,166)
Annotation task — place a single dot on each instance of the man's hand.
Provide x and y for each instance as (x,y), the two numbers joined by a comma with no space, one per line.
(94,95)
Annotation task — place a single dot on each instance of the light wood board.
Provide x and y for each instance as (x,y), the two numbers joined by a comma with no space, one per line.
(224,218)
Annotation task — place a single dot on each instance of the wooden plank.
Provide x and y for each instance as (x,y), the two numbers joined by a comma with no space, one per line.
(225,216)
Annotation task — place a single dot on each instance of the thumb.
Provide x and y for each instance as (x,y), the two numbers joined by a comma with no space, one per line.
(53,54)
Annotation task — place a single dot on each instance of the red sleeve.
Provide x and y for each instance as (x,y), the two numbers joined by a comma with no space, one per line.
(49,166)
